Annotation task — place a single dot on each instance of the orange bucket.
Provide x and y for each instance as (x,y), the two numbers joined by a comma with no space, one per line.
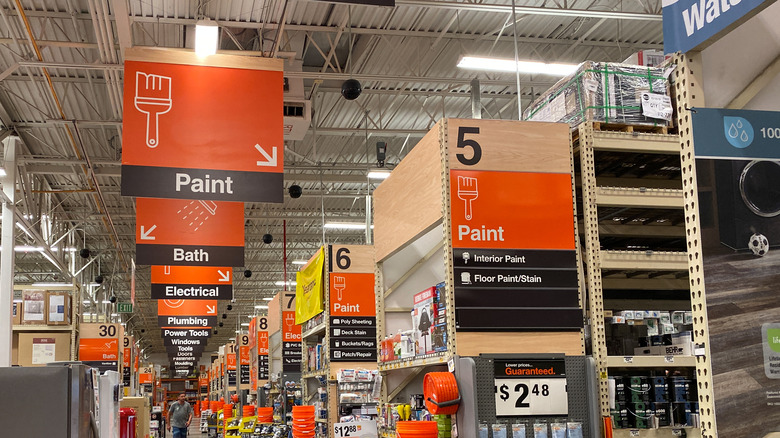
(417,429)
(441,393)
(249,411)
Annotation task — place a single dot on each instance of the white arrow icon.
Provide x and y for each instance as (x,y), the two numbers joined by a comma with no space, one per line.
(210,309)
(224,276)
(271,159)
(146,234)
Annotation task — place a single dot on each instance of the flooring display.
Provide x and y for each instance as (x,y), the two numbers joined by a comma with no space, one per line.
(741,299)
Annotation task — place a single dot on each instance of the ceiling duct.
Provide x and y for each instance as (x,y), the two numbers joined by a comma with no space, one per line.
(297,110)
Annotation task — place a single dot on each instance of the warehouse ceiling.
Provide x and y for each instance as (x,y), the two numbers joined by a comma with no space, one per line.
(61,84)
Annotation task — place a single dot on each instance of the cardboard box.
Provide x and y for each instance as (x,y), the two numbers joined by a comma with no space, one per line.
(142,412)
(423,320)
(58,305)
(17,313)
(38,349)
(34,307)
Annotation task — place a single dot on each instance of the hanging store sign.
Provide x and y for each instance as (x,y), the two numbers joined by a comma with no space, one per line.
(518,271)
(352,317)
(736,134)
(230,363)
(180,142)
(180,336)
(99,345)
(292,354)
(187,313)
(189,233)
(694,24)
(261,343)
(530,387)
(243,348)
(127,360)
(146,375)
(192,282)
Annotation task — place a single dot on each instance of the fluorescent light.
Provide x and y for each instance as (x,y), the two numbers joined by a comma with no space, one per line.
(114,314)
(379,173)
(50,284)
(268,299)
(238,331)
(346,225)
(86,301)
(2,172)
(508,65)
(299,262)
(106,302)
(206,36)
(261,307)
(244,324)
(24,248)
(282,283)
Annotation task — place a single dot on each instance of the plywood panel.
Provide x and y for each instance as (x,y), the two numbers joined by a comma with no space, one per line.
(361,258)
(410,200)
(474,343)
(188,57)
(274,314)
(510,145)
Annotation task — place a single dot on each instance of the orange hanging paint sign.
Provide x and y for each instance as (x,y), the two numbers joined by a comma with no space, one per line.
(180,142)
(352,294)
(511,210)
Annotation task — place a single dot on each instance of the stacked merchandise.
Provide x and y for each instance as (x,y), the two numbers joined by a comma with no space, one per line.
(644,402)
(303,422)
(606,92)
(650,332)
(358,394)
(539,429)
(316,357)
(429,328)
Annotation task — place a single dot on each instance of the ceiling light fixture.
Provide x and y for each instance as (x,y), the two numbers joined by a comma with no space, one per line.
(261,307)
(509,65)
(50,284)
(378,173)
(244,324)
(2,172)
(206,36)
(289,283)
(268,299)
(298,262)
(346,225)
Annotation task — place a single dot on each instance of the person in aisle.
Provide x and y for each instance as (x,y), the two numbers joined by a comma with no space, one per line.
(179,417)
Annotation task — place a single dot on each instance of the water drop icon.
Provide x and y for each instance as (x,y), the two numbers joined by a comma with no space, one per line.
(744,137)
(739,124)
(733,132)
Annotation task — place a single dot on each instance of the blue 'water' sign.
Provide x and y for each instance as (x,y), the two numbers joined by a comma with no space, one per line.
(689,23)
(736,134)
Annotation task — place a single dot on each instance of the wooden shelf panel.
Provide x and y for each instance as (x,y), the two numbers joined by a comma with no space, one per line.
(313,374)
(644,260)
(650,361)
(662,432)
(319,330)
(431,359)
(43,328)
(634,142)
(639,197)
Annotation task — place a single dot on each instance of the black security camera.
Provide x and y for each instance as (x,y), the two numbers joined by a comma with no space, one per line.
(221,323)
(99,279)
(112,299)
(216,332)
(351,89)
(267,238)
(224,316)
(247,273)
(84,253)
(295,191)
(230,307)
